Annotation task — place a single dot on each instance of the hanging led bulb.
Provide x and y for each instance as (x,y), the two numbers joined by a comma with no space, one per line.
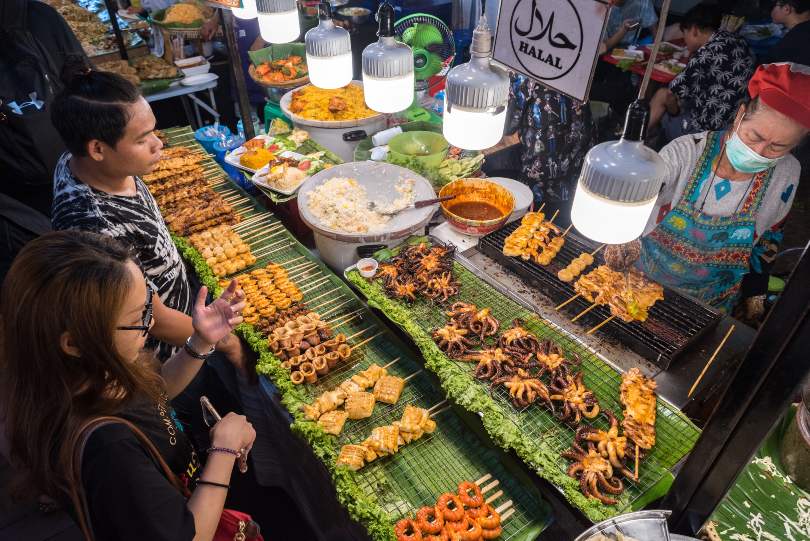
(329,52)
(619,184)
(476,96)
(387,68)
(278,20)
(247,11)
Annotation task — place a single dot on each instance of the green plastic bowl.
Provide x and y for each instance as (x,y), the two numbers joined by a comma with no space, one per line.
(427,147)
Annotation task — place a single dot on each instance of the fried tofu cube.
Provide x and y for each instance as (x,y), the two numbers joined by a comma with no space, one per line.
(353,456)
(359,405)
(349,387)
(414,417)
(388,389)
(332,421)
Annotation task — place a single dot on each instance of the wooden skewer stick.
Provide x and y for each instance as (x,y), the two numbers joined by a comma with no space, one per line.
(291,268)
(635,474)
(241,226)
(572,299)
(344,303)
(367,340)
(315,284)
(484,479)
(323,295)
(316,307)
(503,507)
(439,412)
(567,229)
(711,359)
(259,229)
(594,252)
(588,309)
(392,363)
(605,322)
(268,247)
(490,486)
(409,378)
(541,207)
(494,497)
(300,274)
(438,405)
(264,254)
(508,514)
(556,212)
(351,315)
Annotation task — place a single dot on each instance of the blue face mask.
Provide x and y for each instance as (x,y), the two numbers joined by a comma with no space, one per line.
(744,159)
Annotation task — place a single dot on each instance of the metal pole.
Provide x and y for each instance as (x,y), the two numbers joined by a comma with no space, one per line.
(238,74)
(751,404)
(119,37)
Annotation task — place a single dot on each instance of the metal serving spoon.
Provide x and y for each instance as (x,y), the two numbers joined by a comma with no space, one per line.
(376,207)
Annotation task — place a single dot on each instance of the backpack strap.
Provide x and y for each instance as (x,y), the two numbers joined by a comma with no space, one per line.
(79,442)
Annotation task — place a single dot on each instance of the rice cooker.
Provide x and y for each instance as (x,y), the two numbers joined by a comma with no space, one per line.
(338,248)
(339,136)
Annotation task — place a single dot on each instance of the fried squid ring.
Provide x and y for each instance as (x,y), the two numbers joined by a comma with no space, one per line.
(430,520)
(488,518)
(451,507)
(467,530)
(470,501)
(407,530)
(492,533)
(441,536)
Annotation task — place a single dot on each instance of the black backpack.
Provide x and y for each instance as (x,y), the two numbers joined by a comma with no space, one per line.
(29,145)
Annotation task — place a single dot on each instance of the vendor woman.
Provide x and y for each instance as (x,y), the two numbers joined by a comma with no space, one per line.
(727,194)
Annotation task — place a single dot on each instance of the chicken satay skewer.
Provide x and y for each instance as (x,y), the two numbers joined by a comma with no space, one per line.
(599,326)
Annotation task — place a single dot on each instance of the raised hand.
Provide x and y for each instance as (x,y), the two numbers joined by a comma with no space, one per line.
(214,322)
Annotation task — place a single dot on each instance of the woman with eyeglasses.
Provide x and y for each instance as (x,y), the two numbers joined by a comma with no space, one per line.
(76,310)
(727,193)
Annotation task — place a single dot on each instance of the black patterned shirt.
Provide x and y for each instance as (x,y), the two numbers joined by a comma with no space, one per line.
(134,220)
(555,133)
(714,82)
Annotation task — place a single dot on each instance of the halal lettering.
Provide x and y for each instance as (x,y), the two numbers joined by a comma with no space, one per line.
(546,37)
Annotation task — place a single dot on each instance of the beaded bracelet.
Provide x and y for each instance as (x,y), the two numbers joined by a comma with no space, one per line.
(225,450)
(213,484)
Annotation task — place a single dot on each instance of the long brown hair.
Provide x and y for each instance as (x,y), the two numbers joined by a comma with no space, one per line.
(75,282)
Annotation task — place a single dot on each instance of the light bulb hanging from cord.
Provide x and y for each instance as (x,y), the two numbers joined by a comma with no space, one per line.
(388,77)
(278,20)
(329,52)
(620,180)
(476,97)
(247,11)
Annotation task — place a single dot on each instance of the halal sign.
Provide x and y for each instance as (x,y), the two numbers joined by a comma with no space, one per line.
(553,41)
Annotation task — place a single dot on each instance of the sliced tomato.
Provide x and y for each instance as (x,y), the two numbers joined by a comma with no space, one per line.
(304,165)
(273,148)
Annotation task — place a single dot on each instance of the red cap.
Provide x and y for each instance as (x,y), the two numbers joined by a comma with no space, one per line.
(784,87)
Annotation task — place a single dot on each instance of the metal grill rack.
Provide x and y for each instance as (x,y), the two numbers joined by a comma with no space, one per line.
(675,436)
(673,324)
(408,480)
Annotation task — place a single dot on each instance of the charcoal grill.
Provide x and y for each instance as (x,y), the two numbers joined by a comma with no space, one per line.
(673,324)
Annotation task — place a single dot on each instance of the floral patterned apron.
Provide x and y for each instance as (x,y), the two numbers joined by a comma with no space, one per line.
(705,256)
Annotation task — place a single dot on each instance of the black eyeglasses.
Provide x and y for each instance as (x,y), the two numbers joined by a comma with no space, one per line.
(146,318)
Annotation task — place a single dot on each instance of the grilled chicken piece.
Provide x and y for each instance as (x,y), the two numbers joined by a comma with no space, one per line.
(360,405)
(332,421)
(353,456)
(388,389)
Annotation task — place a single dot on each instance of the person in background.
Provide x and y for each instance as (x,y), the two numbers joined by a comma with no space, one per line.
(555,132)
(727,193)
(705,95)
(626,20)
(37,43)
(795,45)
(62,368)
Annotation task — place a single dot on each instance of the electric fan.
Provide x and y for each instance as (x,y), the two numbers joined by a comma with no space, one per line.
(433,48)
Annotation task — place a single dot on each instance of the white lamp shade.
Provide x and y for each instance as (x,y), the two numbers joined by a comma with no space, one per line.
(388,95)
(606,221)
(472,130)
(247,11)
(280,27)
(330,71)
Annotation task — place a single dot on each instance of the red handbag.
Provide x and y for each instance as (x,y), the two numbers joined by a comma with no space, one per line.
(233,525)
